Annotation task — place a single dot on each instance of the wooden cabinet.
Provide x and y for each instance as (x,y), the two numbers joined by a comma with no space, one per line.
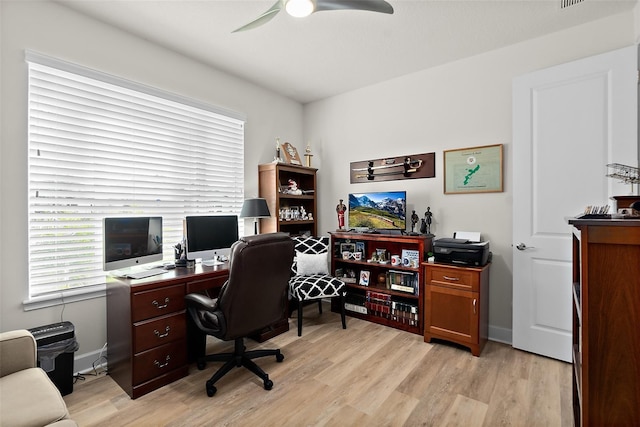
(148,341)
(457,304)
(287,209)
(393,294)
(606,322)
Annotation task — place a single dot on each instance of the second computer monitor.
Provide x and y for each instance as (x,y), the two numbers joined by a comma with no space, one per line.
(210,237)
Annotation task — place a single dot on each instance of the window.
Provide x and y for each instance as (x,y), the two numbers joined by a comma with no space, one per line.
(103,146)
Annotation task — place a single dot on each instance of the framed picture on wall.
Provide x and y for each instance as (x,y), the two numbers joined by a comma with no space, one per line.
(291,154)
(473,170)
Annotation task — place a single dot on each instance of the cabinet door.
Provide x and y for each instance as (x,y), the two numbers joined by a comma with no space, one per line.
(451,314)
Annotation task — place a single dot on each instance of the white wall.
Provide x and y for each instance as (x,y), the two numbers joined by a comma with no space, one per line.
(462,104)
(56,31)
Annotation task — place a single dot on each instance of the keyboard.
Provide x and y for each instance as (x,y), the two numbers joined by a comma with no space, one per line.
(146,273)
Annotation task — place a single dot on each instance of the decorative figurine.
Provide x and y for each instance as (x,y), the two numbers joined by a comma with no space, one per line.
(414,221)
(293,188)
(428,218)
(340,209)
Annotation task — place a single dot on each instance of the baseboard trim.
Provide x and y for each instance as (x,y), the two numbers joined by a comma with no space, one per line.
(89,362)
(502,335)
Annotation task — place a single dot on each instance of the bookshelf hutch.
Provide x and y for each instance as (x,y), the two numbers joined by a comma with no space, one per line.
(606,319)
(286,208)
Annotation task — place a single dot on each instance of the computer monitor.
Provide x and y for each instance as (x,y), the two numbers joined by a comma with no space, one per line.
(210,237)
(131,241)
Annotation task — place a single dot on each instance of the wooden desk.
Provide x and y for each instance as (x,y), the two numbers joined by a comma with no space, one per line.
(148,340)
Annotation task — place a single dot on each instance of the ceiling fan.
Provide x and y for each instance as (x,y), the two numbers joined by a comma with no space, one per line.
(302,8)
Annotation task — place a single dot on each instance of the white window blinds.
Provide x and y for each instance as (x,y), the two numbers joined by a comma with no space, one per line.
(100,146)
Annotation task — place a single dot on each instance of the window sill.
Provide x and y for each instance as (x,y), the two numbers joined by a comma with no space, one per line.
(65,297)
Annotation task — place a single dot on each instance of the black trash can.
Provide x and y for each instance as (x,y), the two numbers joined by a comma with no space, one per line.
(56,345)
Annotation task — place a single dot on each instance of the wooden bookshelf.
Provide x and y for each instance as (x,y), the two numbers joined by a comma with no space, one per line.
(400,308)
(273,178)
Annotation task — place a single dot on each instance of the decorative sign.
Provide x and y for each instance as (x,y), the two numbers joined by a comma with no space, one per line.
(473,170)
(393,168)
(291,154)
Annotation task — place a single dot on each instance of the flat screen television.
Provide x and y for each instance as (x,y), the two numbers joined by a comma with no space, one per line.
(131,241)
(378,210)
(210,237)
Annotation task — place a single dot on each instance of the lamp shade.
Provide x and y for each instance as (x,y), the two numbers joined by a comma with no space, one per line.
(255,208)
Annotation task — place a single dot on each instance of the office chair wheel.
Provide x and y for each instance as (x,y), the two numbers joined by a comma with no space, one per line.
(211,389)
(201,365)
(279,357)
(268,384)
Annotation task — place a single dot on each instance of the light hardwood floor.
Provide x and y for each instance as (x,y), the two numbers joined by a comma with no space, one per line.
(366,375)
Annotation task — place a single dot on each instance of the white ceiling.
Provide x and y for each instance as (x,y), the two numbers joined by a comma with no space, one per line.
(333,52)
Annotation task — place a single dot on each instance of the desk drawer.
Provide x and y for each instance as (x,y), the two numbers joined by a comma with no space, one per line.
(210,286)
(458,278)
(156,302)
(159,361)
(162,330)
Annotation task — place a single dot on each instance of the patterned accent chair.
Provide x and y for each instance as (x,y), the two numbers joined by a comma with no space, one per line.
(311,279)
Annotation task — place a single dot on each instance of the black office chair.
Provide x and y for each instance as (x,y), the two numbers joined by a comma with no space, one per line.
(254,297)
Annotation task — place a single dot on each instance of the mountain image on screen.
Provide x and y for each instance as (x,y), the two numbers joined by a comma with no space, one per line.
(378,211)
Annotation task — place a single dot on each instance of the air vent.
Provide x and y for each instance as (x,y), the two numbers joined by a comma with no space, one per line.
(566,3)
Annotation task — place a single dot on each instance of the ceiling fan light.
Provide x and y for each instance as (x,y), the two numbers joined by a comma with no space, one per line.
(299,8)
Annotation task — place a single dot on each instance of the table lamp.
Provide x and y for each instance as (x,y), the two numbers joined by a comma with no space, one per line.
(255,208)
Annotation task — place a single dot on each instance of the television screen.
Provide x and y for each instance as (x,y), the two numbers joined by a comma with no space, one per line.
(131,241)
(210,236)
(378,210)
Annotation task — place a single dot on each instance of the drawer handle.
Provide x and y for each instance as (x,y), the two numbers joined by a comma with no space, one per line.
(159,335)
(162,365)
(455,279)
(158,306)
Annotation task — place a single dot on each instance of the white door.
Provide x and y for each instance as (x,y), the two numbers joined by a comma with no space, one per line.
(569,122)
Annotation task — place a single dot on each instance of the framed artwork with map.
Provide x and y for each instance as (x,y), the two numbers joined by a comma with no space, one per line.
(473,170)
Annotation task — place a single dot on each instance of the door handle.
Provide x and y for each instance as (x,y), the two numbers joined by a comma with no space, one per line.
(521,246)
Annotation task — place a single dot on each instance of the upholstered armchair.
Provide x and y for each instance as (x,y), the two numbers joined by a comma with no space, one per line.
(27,396)
(310,278)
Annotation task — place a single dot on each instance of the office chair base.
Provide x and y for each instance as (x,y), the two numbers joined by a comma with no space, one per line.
(240,357)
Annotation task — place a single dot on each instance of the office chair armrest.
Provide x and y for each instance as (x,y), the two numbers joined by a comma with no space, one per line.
(201,301)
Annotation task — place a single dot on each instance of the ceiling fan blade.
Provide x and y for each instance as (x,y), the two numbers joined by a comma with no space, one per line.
(371,5)
(262,19)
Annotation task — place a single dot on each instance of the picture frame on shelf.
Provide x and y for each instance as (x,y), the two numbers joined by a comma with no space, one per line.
(291,154)
(410,258)
(360,247)
(347,247)
(346,275)
(364,278)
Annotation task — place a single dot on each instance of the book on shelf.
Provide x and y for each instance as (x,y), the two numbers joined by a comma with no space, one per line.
(404,313)
(403,281)
(378,304)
